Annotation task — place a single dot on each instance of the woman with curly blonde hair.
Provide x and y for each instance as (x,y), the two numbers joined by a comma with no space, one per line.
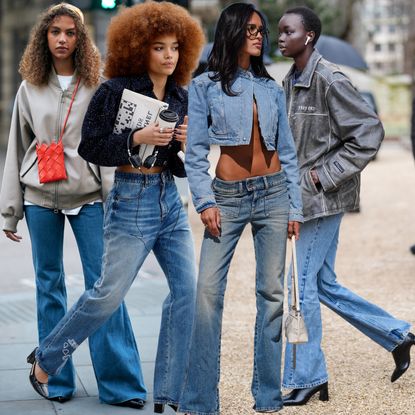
(59,64)
(152,50)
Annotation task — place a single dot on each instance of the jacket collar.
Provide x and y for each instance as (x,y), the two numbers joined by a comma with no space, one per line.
(305,78)
(245,73)
(143,83)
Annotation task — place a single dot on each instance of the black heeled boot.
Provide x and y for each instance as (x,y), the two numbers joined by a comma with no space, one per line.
(159,407)
(402,356)
(39,387)
(301,396)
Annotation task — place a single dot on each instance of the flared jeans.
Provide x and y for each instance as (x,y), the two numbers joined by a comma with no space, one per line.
(262,202)
(143,213)
(113,349)
(317,280)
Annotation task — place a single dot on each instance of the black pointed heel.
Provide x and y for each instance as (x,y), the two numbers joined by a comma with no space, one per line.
(159,407)
(402,356)
(299,397)
(324,394)
(39,387)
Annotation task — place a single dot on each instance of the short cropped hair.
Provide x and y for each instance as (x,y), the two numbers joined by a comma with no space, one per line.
(311,21)
(131,33)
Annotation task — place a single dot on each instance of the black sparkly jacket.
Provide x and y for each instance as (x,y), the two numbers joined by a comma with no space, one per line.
(101,146)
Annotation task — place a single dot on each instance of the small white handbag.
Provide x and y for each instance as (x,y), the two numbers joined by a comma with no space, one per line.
(295,328)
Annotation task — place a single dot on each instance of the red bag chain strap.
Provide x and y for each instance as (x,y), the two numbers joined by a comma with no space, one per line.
(69,109)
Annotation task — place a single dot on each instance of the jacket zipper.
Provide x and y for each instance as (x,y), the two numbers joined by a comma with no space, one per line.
(291,102)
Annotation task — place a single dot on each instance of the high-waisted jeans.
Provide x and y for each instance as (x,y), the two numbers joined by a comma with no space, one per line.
(113,349)
(263,202)
(143,213)
(316,254)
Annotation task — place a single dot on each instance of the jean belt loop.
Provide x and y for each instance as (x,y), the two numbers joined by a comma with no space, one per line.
(266,185)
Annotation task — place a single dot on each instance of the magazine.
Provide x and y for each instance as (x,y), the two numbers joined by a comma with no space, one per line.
(137,111)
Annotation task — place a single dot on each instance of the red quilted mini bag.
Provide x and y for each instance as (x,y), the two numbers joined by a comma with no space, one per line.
(51,158)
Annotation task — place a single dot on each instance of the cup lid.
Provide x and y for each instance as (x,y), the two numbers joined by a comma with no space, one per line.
(169,116)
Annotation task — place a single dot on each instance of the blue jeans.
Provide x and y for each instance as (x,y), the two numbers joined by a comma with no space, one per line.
(143,213)
(263,202)
(113,349)
(316,254)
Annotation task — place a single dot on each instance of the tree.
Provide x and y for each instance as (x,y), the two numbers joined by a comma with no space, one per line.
(336,15)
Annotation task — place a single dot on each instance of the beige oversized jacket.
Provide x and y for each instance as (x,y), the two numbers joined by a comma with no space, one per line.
(38,116)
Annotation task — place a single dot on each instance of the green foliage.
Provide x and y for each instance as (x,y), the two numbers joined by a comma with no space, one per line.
(335,15)
(330,15)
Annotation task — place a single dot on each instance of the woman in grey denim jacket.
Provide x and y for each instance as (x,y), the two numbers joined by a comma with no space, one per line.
(239,107)
(336,134)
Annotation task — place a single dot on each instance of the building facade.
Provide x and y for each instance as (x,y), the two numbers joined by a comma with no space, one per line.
(384,33)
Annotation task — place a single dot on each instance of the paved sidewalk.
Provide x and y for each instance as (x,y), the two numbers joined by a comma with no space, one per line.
(18,338)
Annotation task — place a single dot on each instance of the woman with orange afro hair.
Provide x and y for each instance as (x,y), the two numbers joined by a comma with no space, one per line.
(152,50)
(59,63)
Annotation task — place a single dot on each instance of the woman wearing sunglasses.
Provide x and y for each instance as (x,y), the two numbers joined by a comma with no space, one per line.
(238,106)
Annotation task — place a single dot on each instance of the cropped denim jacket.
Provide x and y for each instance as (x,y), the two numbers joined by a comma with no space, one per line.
(216,118)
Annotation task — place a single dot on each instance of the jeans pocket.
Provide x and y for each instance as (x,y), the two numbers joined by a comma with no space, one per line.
(277,201)
(229,206)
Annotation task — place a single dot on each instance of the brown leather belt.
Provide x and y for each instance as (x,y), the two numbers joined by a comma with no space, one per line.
(142,170)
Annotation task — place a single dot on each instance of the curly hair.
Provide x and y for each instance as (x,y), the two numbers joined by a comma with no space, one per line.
(36,62)
(131,33)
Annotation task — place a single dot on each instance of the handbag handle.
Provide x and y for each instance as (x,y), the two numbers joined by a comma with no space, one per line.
(295,297)
(69,109)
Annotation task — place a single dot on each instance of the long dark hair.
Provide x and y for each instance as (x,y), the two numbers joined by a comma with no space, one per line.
(230,37)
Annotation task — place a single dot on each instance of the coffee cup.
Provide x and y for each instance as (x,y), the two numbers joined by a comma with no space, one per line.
(167,119)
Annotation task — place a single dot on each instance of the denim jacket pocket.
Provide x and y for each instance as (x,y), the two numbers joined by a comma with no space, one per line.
(217,115)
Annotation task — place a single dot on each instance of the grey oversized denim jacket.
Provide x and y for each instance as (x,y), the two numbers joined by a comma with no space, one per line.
(336,134)
(216,118)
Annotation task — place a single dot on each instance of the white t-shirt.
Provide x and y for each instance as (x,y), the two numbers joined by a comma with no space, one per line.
(65,81)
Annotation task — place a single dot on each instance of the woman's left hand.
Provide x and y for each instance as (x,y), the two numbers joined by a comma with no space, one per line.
(180,133)
(293,229)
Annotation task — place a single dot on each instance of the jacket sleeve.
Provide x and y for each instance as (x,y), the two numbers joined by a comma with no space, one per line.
(358,130)
(99,144)
(107,180)
(197,149)
(20,137)
(288,158)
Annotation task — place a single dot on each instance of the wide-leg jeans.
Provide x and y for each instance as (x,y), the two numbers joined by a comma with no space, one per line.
(113,349)
(263,202)
(143,213)
(316,254)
